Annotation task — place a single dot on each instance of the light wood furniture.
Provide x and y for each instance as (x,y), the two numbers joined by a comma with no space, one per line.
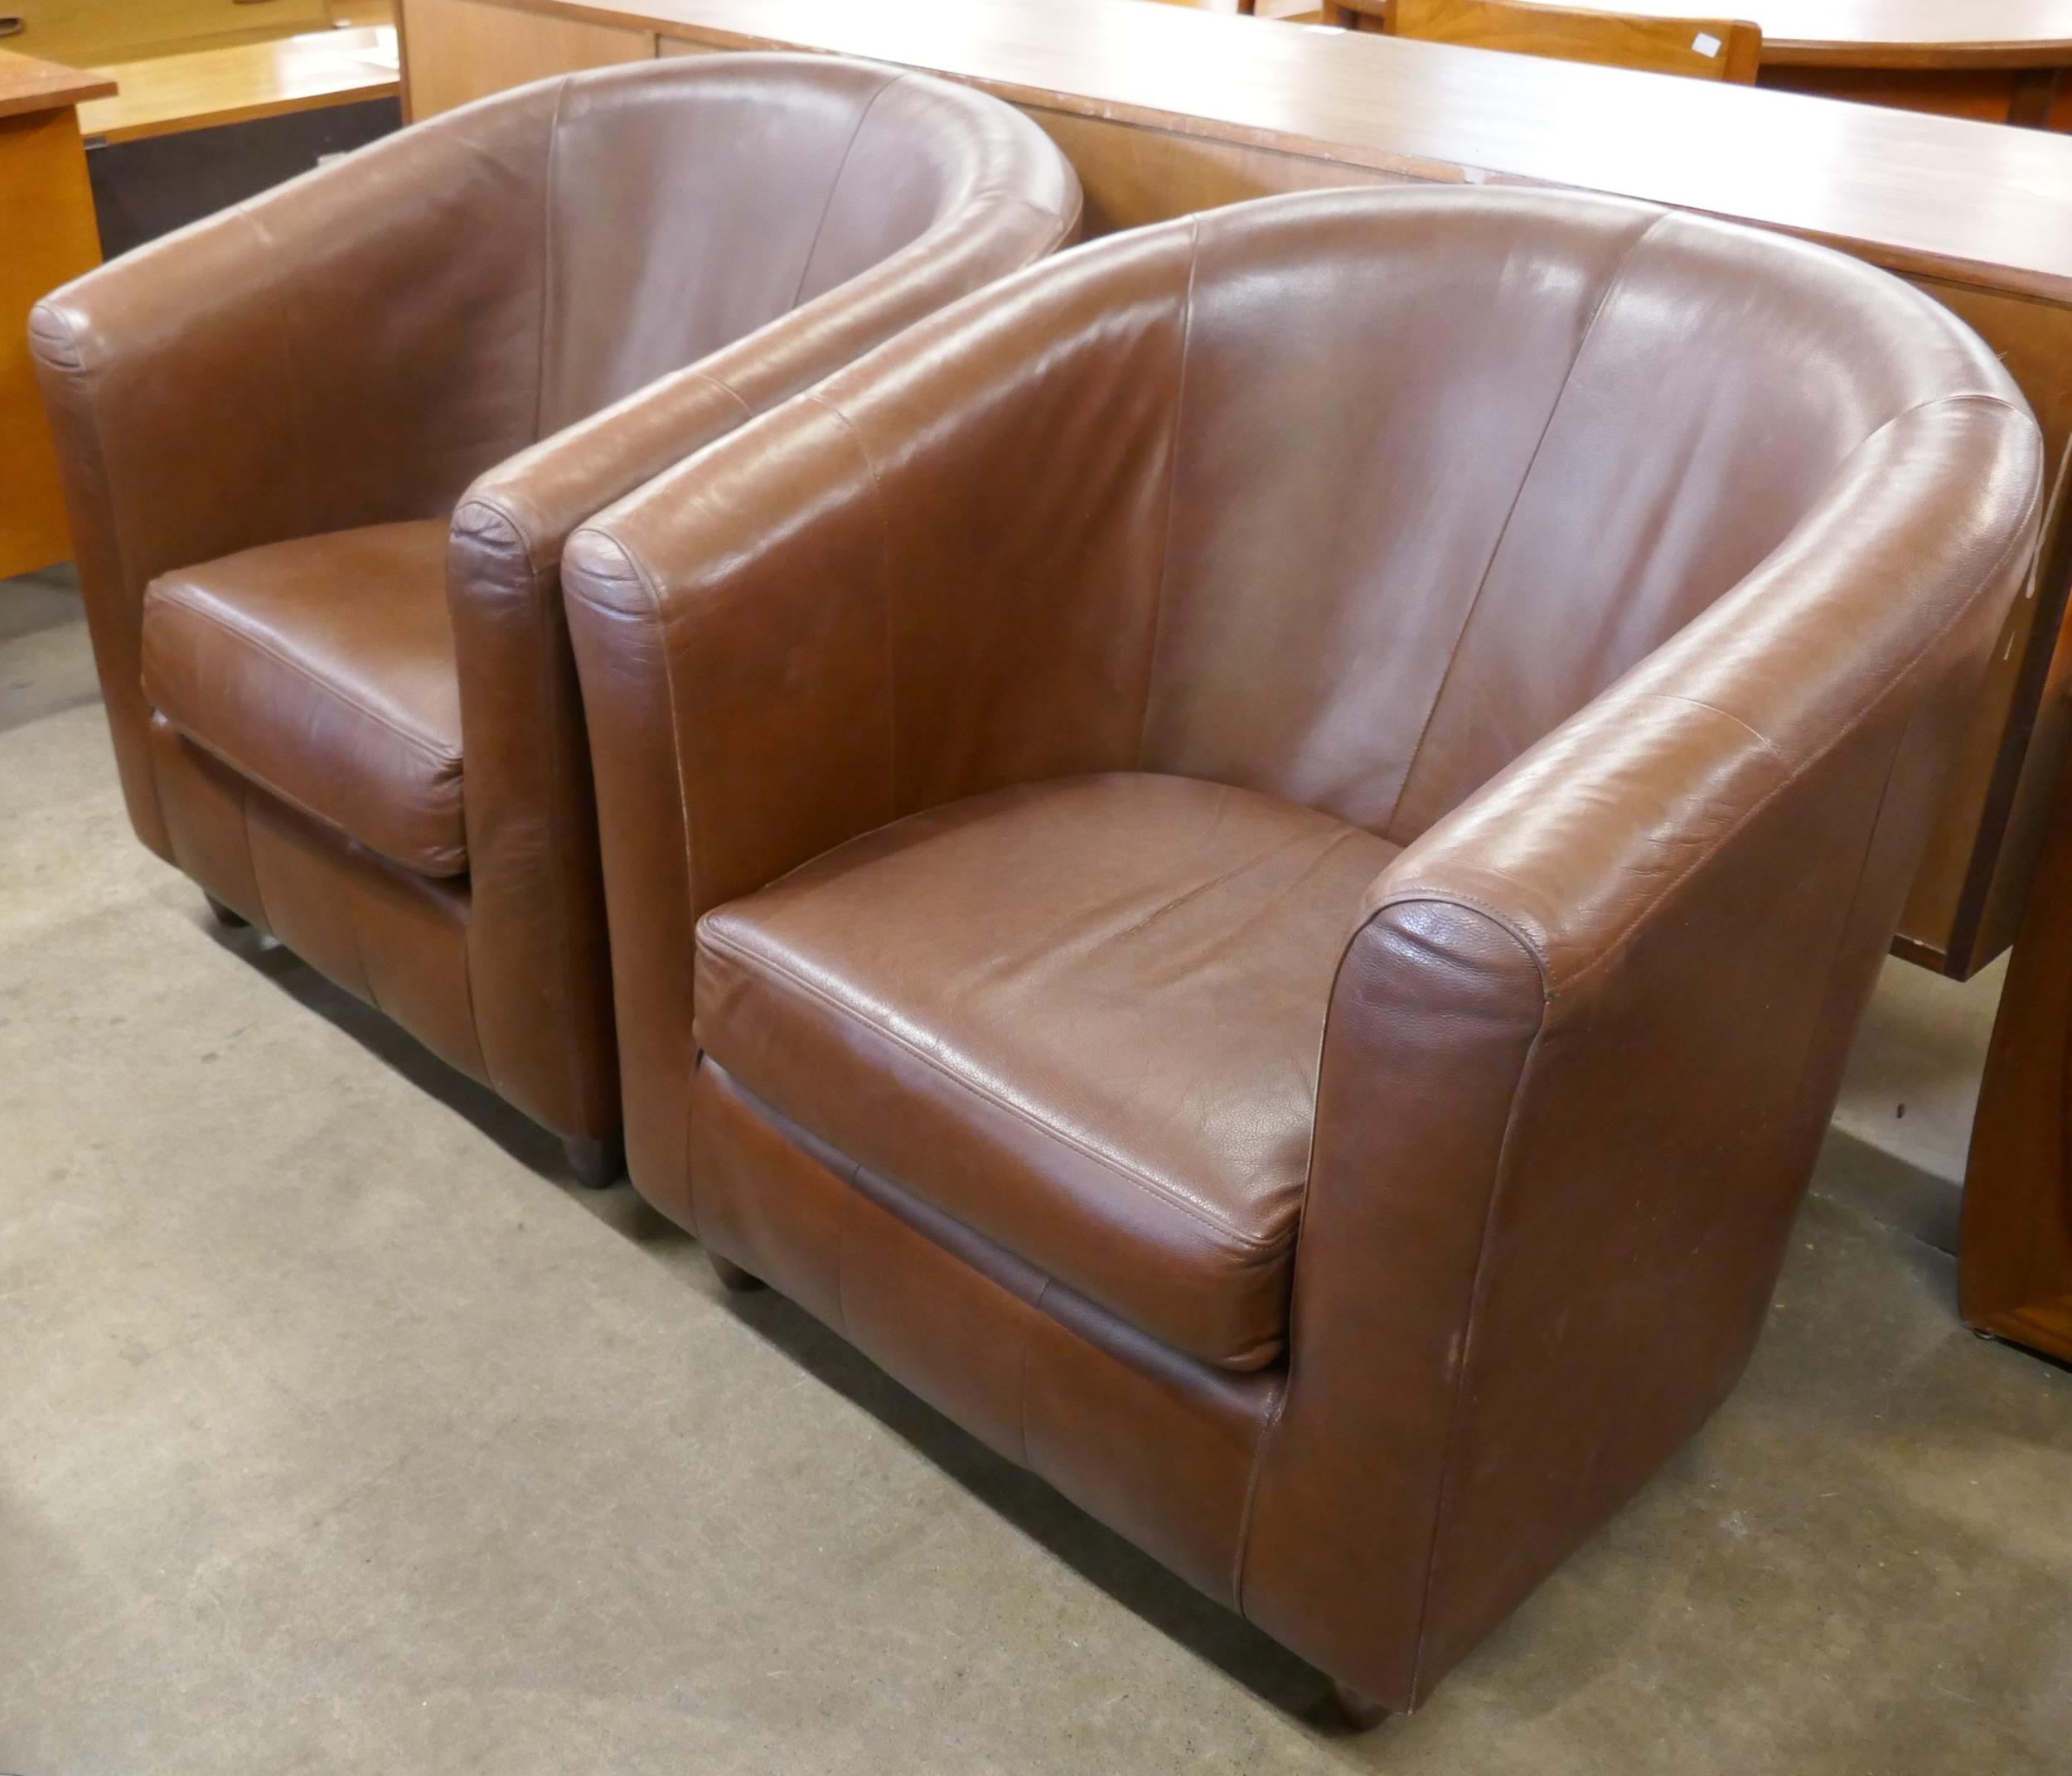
(1706,49)
(1165,111)
(169,94)
(2000,61)
(2014,1251)
(90,32)
(48,209)
(456,51)
(1996,61)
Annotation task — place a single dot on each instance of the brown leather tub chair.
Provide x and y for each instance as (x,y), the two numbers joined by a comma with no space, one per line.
(1275,831)
(322,452)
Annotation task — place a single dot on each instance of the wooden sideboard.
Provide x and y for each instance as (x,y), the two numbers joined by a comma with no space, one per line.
(50,236)
(1166,109)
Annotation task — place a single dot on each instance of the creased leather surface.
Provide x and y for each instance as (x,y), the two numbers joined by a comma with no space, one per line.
(322,669)
(503,319)
(1632,571)
(1081,1017)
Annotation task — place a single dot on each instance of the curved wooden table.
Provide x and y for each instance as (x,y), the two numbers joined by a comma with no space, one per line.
(2000,60)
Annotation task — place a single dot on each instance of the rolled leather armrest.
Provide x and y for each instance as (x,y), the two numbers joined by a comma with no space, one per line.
(317,359)
(1584,1042)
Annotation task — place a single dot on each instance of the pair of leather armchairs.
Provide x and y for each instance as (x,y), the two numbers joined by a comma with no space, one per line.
(1249,857)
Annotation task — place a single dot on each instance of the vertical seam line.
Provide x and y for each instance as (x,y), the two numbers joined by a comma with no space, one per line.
(835,186)
(1172,486)
(884,595)
(1504,530)
(546,260)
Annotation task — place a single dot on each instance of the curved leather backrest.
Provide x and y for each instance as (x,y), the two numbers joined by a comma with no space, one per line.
(1558,428)
(1351,496)
(691,200)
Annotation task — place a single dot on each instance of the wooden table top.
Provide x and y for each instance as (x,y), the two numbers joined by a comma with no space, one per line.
(239,82)
(28,85)
(1977,202)
(1890,33)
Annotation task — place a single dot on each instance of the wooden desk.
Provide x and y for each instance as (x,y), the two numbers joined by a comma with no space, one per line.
(1998,60)
(50,236)
(1165,111)
(166,94)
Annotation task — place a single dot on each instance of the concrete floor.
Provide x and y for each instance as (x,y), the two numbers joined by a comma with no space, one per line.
(337,1433)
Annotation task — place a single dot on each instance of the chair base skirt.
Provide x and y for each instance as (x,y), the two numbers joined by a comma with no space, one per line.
(1157,1446)
(396,941)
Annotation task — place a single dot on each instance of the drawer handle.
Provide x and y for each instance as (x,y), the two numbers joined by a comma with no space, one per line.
(13,24)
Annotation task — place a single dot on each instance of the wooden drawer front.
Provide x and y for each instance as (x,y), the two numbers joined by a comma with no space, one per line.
(86,33)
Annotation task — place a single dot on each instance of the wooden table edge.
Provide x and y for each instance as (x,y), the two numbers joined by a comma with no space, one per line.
(1985,275)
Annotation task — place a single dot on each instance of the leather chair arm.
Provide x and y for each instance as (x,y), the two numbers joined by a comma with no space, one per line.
(317,359)
(918,583)
(1619,979)
(530,811)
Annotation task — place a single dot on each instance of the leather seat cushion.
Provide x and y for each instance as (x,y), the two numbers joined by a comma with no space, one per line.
(322,669)
(1082,1018)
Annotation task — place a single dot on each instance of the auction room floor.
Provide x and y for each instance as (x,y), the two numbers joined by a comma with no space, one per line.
(338,1432)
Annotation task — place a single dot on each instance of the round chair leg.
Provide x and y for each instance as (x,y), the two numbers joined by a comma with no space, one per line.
(595,1163)
(736,1280)
(228,917)
(1361,1713)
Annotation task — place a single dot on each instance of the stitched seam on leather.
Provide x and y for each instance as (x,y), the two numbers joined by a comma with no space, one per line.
(835,186)
(467,990)
(547,289)
(335,692)
(1242,1554)
(884,591)
(1843,729)
(851,1197)
(450,861)
(1477,1291)
(666,658)
(1760,738)
(1021,1391)
(251,854)
(1187,1205)
(560,915)
(748,409)
(1612,950)
(1172,486)
(1302,1216)
(1496,547)
(76,373)
(298,418)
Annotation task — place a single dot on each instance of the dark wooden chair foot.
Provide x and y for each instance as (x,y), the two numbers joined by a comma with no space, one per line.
(1361,1713)
(737,1280)
(595,1163)
(228,917)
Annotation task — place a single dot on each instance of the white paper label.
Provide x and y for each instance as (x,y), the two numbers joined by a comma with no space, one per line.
(1706,44)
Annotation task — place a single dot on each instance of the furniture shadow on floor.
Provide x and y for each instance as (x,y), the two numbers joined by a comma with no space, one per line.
(524,1140)
(1167,1604)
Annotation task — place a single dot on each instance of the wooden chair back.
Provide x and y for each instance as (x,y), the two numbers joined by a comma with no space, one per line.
(1714,49)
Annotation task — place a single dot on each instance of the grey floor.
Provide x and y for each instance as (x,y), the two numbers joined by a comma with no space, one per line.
(337,1433)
